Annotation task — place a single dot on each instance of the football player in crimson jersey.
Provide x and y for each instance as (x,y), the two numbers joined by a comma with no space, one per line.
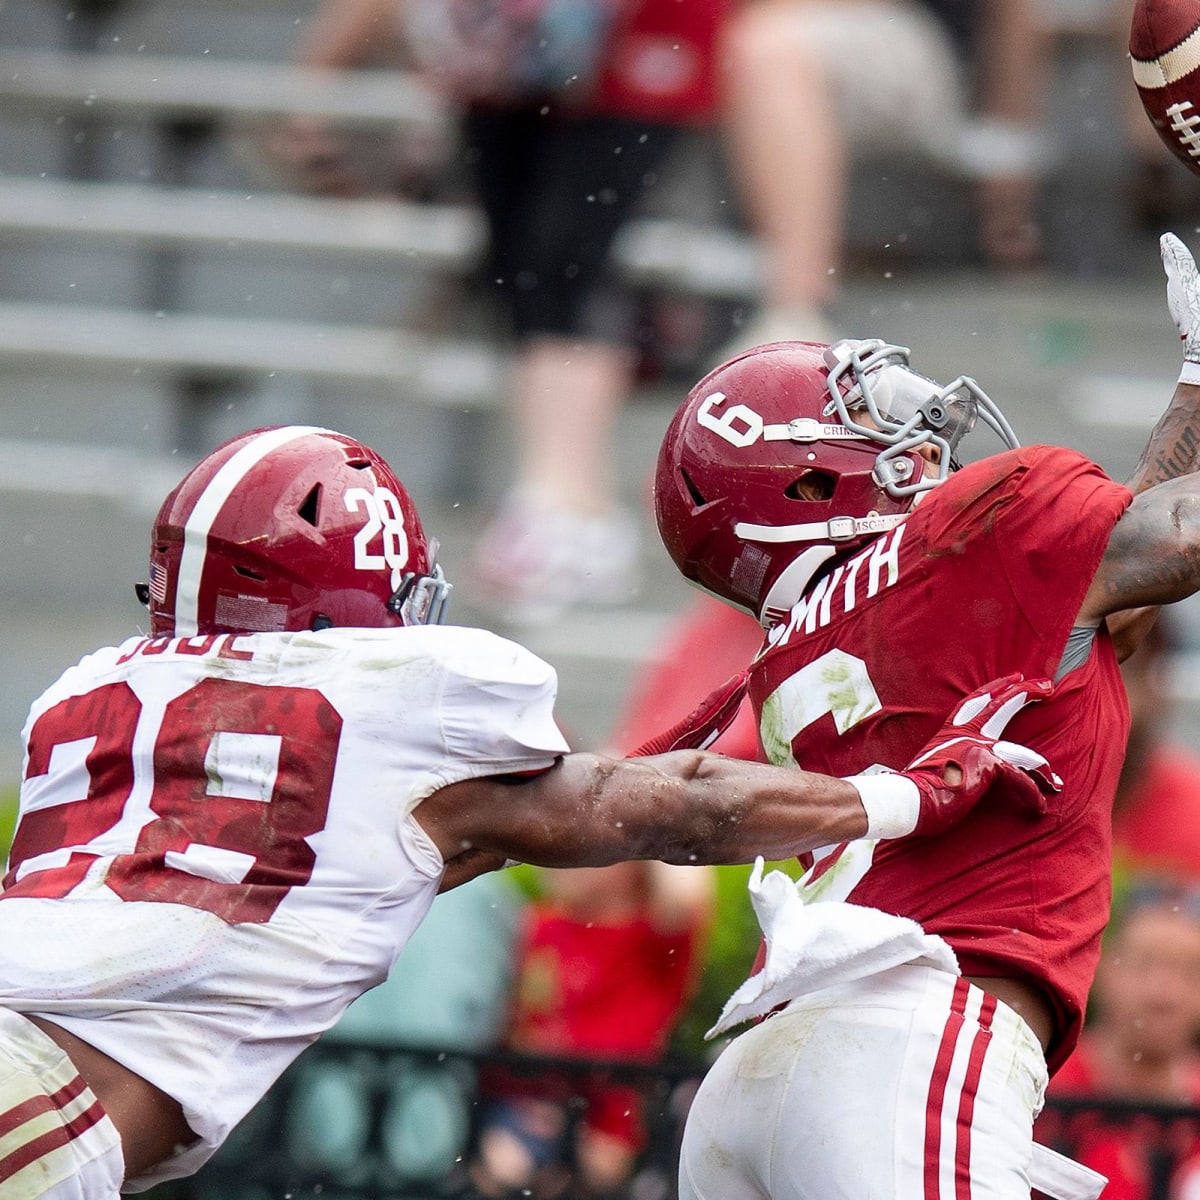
(229,828)
(818,487)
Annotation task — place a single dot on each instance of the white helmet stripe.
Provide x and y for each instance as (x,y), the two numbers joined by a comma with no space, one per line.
(205,510)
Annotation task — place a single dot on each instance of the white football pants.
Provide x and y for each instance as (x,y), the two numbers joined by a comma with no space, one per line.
(909,1085)
(56,1142)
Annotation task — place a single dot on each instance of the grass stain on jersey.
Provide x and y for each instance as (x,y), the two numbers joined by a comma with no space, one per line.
(847,705)
(776,746)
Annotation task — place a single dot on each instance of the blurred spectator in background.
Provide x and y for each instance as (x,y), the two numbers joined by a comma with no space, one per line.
(704,646)
(313,154)
(449,990)
(810,84)
(607,961)
(1139,1044)
(1156,814)
(567,121)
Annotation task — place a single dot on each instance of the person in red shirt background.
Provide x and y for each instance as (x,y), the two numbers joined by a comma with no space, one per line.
(1139,1044)
(705,645)
(1156,814)
(607,960)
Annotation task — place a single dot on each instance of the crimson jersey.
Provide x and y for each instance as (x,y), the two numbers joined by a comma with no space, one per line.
(985,577)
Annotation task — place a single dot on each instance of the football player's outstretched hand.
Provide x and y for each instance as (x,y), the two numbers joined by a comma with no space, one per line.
(1183,299)
(964,760)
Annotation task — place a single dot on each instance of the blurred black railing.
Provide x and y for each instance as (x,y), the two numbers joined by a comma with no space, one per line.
(384,1122)
(1159,1143)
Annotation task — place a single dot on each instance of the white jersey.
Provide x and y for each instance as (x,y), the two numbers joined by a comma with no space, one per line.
(216,850)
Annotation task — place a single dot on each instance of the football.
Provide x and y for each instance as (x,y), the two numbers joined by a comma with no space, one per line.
(1164,50)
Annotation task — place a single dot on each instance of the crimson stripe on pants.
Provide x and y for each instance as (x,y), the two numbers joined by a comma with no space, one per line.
(52,1139)
(966,1101)
(16,1116)
(937,1087)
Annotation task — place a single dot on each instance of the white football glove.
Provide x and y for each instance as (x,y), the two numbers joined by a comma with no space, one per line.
(1183,299)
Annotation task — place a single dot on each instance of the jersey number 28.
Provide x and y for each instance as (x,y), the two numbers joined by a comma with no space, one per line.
(207,800)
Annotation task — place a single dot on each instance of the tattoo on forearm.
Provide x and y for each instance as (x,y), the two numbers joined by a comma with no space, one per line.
(1179,458)
(1160,583)
(1168,455)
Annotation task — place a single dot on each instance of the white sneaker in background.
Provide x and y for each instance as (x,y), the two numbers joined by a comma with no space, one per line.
(777,325)
(533,563)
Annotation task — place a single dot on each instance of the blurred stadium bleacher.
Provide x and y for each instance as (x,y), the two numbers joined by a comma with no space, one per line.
(159,291)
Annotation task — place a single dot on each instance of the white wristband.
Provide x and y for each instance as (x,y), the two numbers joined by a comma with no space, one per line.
(1190,372)
(893,804)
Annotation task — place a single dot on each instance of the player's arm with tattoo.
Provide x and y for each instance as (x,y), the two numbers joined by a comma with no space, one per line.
(690,806)
(1153,556)
(1171,453)
(1173,448)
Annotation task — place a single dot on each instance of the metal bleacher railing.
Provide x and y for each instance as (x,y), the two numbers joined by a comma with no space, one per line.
(396,1122)
(180,102)
(178,95)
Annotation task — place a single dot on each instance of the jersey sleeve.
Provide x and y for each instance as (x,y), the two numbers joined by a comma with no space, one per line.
(498,707)
(1070,495)
(428,706)
(1039,519)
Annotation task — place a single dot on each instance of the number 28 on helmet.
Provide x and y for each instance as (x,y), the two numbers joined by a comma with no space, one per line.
(290,528)
(794,452)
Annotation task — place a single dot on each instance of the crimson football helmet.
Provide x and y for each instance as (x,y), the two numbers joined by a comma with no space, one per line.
(792,452)
(290,527)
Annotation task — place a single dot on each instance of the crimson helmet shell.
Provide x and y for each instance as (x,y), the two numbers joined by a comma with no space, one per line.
(290,528)
(794,452)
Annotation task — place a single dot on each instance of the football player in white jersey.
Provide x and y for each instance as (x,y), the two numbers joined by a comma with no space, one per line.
(229,828)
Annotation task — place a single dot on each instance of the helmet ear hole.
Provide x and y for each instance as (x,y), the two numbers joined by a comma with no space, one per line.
(812,485)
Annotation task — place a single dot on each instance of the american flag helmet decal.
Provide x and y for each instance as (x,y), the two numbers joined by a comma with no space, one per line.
(158,583)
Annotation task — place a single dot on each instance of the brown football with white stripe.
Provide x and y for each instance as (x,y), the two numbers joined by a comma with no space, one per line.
(1164,50)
